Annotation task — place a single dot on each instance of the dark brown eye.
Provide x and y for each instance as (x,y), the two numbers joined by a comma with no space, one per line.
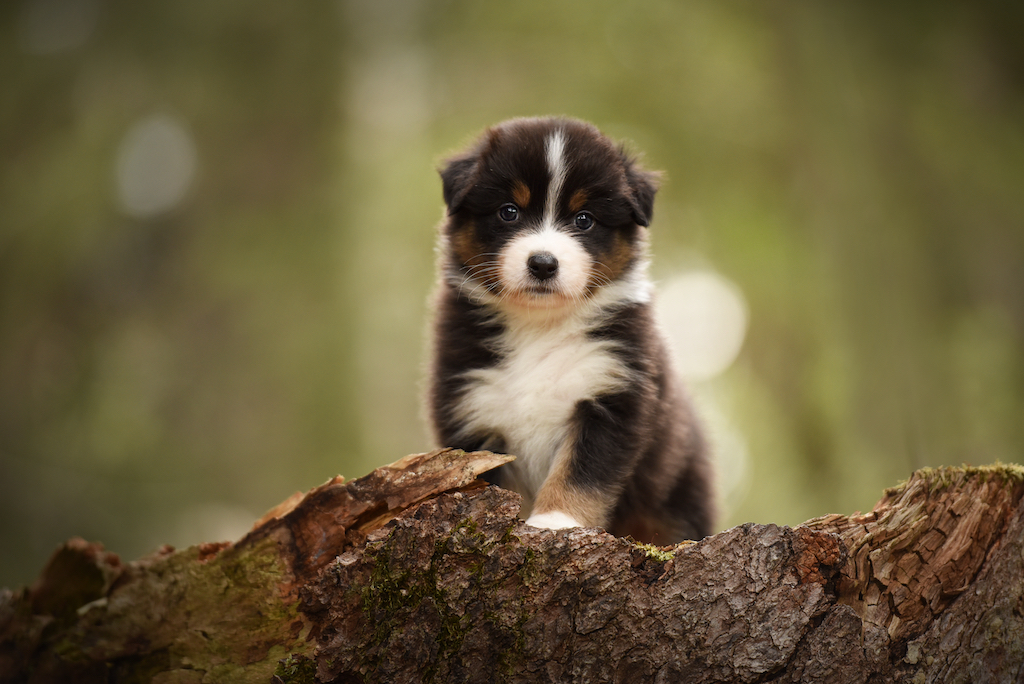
(584,220)
(508,212)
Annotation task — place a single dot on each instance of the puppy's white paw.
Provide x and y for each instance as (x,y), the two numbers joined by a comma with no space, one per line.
(552,520)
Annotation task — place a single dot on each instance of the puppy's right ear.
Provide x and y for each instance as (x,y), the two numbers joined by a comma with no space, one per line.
(457,177)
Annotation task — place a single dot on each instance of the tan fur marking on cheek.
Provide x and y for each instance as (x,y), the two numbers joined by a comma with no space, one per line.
(578,199)
(591,509)
(521,194)
(613,263)
(465,245)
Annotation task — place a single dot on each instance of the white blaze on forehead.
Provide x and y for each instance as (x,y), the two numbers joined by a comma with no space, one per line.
(554,148)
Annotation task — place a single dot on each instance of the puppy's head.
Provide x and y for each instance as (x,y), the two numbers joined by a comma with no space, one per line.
(543,214)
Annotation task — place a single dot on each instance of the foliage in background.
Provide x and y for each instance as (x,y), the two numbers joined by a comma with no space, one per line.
(856,170)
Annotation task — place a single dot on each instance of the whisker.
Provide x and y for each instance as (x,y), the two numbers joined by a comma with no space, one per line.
(481,276)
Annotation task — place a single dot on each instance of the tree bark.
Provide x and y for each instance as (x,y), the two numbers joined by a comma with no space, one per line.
(420,572)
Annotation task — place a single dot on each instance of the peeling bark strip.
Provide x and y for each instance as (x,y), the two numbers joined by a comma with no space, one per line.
(920,547)
(930,550)
(419,573)
(215,612)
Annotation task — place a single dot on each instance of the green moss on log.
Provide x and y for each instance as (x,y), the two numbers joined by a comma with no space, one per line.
(943,477)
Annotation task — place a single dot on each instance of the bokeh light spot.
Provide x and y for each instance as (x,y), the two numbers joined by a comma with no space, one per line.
(156,163)
(705,317)
(53,26)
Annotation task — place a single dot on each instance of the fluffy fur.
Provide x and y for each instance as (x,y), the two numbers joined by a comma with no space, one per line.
(545,345)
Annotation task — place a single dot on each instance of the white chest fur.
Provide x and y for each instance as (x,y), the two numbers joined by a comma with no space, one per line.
(529,398)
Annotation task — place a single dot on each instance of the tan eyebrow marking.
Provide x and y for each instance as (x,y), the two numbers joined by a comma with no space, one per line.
(521,194)
(578,199)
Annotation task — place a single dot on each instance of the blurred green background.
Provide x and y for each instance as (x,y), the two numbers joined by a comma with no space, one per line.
(217,223)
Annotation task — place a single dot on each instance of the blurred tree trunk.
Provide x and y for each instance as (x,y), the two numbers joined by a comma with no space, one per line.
(419,572)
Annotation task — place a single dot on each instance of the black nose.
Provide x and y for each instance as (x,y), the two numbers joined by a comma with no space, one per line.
(543,265)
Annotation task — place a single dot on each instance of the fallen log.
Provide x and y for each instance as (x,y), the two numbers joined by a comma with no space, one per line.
(420,572)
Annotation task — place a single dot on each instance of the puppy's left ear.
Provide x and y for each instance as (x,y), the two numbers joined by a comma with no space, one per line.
(457,178)
(642,187)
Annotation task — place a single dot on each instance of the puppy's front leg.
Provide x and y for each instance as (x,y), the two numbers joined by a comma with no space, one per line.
(590,469)
(564,502)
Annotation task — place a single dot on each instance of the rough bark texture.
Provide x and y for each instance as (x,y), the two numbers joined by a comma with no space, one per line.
(418,572)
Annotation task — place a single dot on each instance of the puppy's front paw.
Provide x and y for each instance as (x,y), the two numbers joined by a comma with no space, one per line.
(552,520)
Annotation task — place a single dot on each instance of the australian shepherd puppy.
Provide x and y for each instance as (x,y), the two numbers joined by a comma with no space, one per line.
(545,344)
